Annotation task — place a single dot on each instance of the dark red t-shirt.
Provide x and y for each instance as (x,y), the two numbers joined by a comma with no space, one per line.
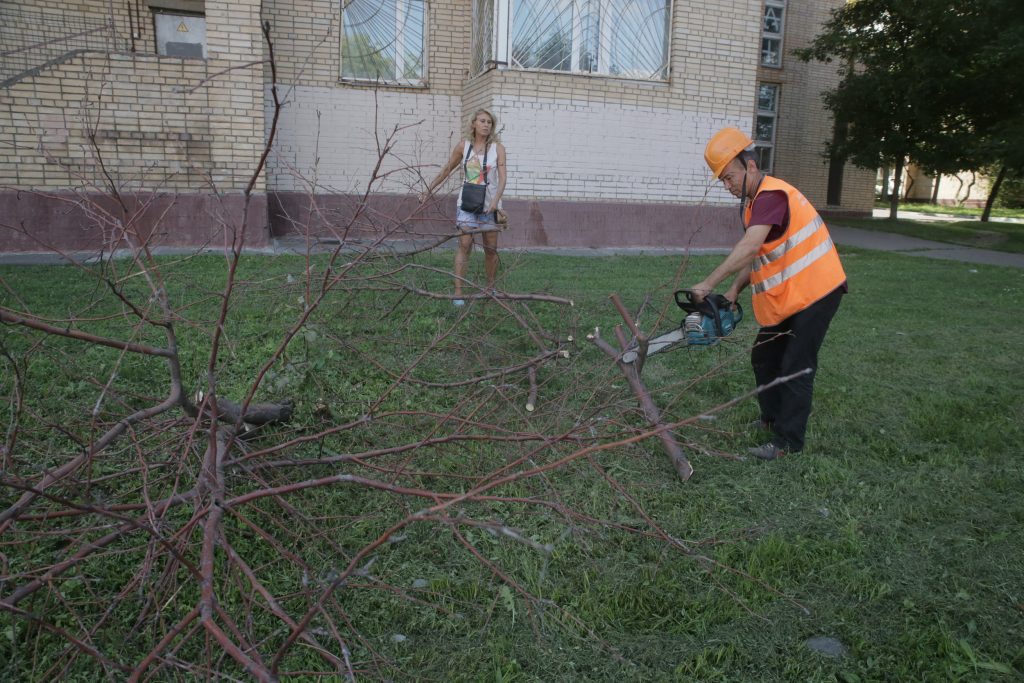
(771,207)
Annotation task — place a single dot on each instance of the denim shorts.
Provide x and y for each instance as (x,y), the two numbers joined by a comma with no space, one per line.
(475,221)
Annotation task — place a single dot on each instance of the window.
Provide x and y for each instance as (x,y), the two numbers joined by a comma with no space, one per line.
(764,128)
(624,38)
(771,32)
(382,41)
(180,35)
(483,35)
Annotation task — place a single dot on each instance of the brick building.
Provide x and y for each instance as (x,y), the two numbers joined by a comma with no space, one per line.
(968,188)
(604,107)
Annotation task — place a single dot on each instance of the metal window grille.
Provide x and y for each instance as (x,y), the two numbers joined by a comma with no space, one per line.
(764,125)
(483,35)
(30,38)
(623,38)
(383,41)
(772,29)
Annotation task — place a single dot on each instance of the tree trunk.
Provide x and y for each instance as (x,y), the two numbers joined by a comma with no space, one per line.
(836,165)
(935,189)
(970,186)
(894,200)
(959,189)
(992,195)
(885,183)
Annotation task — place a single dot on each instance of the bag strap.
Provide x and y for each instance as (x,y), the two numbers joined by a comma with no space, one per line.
(469,151)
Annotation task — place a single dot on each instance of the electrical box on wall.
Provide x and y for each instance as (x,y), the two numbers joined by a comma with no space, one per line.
(180,35)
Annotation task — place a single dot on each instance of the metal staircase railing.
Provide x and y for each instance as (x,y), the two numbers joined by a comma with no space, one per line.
(32,39)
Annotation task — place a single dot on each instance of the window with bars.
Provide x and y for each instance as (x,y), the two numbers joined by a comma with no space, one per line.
(771,32)
(764,126)
(483,35)
(623,38)
(383,41)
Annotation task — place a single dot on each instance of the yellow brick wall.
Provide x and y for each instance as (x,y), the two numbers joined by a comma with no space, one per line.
(603,138)
(803,126)
(597,138)
(331,128)
(27,23)
(654,130)
(157,123)
(307,44)
(234,41)
(306,40)
(712,53)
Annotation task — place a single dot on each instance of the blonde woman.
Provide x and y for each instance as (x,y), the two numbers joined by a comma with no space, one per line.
(482,159)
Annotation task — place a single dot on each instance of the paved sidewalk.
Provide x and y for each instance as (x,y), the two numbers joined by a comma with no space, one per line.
(913,246)
(945,217)
(843,235)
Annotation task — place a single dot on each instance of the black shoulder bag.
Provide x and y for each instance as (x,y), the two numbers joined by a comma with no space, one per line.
(474,195)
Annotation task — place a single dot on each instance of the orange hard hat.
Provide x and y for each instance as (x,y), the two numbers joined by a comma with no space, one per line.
(723,148)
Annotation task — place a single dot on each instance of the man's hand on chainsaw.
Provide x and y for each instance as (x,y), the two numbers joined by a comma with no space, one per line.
(702,290)
(733,296)
(699,291)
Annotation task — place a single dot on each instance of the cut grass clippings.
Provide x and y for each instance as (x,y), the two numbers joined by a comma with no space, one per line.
(898,528)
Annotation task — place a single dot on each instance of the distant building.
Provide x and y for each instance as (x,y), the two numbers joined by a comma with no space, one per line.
(968,188)
(604,106)
(792,126)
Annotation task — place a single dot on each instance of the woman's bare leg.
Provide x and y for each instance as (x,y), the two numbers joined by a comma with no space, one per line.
(462,253)
(491,257)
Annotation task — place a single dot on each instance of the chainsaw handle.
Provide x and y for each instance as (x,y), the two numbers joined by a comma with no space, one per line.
(689,300)
(689,296)
(709,306)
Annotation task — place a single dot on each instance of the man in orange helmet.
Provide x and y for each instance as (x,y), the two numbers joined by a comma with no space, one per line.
(788,259)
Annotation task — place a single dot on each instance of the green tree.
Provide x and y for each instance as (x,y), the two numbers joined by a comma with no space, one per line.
(917,82)
(997,77)
(361,58)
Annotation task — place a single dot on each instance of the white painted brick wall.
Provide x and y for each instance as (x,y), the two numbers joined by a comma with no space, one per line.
(557,149)
(350,124)
(568,137)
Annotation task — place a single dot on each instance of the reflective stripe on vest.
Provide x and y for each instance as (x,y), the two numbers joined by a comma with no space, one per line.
(776,253)
(794,268)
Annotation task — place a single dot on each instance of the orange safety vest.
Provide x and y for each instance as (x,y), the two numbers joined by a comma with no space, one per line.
(797,269)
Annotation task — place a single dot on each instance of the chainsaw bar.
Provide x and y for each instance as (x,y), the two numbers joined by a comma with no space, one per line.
(663,342)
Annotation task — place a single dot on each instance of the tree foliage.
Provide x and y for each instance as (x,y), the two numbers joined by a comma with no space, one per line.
(936,82)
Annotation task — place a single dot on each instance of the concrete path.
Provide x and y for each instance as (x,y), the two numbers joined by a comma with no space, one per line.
(913,246)
(843,235)
(945,217)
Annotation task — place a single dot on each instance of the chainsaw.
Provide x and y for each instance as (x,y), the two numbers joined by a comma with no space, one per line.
(705,324)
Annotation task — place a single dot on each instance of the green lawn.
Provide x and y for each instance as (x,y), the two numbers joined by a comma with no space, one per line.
(897,532)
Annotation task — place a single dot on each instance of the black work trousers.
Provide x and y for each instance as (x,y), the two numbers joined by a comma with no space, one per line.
(784,349)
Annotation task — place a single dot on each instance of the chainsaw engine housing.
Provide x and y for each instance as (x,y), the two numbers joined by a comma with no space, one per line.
(705,325)
(708,321)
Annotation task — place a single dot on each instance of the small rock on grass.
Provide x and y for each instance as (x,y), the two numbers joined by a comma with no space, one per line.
(830,647)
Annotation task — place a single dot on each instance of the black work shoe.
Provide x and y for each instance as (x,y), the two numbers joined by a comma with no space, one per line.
(769,451)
